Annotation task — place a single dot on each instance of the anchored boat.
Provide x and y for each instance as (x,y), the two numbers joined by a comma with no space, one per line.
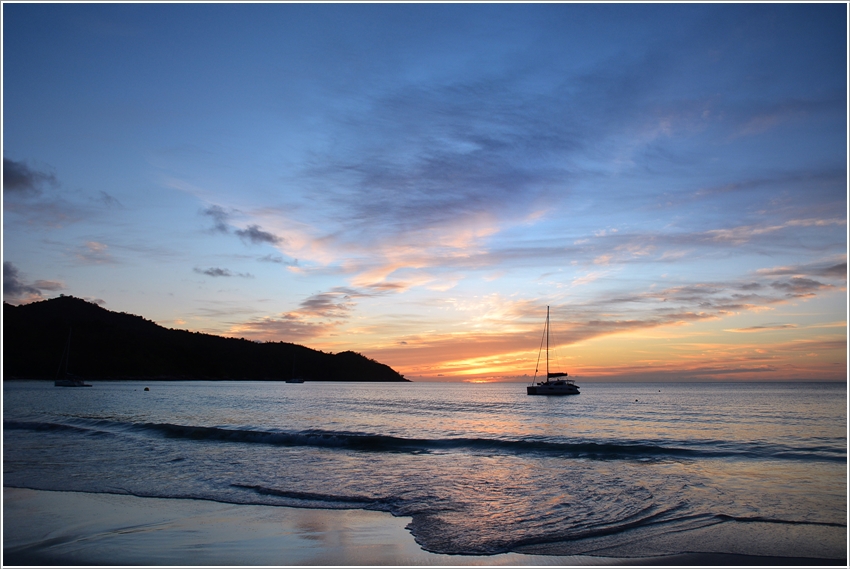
(63,378)
(555,383)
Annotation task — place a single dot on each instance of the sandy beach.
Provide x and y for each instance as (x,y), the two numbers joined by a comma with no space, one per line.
(69,528)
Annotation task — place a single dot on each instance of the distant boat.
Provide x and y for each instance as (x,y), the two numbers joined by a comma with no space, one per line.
(294,378)
(554,384)
(63,378)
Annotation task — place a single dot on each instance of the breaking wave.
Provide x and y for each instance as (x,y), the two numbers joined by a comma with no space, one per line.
(367,442)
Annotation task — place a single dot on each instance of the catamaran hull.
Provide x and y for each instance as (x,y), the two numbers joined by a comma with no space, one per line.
(552,390)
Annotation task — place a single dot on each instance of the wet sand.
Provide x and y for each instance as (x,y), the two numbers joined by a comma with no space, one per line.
(69,528)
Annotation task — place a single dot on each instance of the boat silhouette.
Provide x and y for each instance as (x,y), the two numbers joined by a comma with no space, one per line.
(555,384)
(63,378)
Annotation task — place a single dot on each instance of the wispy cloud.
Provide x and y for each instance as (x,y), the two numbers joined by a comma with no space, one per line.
(49,285)
(744,234)
(763,328)
(793,110)
(317,316)
(828,270)
(334,304)
(94,252)
(809,178)
(219,272)
(275,259)
(289,328)
(108,200)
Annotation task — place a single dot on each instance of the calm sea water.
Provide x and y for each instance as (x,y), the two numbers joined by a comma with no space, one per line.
(481,469)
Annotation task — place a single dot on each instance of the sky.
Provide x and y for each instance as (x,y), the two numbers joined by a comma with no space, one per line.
(418,182)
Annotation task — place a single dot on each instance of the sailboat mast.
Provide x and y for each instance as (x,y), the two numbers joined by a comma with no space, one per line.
(547,343)
(66,355)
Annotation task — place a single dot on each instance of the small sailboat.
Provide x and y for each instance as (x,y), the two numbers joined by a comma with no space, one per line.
(294,378)
(63,378)
(555,383)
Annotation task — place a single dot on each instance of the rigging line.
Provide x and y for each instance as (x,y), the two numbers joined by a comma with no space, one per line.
(556,354)
(540,351)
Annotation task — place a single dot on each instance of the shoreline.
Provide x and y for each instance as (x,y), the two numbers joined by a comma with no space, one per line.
(44,527)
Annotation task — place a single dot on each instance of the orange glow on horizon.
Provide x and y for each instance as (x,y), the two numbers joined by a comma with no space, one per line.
(498,340)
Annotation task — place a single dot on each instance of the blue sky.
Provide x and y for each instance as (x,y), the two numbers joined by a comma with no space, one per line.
(417,182)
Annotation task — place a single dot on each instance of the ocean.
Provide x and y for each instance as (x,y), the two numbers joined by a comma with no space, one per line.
(621,469)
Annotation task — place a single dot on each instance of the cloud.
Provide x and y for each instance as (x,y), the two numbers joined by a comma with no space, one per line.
(507,352)
(838,271)
(318,315)
(277,259)
(509,343)
(439,156)
(283,328)
(49,285)
(395,210)
(95,253)
(630,311)
(825,270)
(217,272)
(743,234)
(450,164)
(220,218)
(432,173)
(830,177)
(334,304)
(784,112)
(13,286)
(221,309)
(18,178)
(799,286)
(108,200)
(34,196)
(16,290)
(255,235)
(763,328)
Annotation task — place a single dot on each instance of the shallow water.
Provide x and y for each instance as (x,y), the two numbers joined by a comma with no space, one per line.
(481,469)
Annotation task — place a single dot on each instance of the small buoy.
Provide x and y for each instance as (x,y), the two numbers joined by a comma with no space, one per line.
(148,389)
(635,400)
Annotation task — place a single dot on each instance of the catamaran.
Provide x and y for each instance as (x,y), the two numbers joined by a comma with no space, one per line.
(555,383)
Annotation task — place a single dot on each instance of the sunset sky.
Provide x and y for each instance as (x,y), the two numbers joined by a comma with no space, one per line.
(418,182)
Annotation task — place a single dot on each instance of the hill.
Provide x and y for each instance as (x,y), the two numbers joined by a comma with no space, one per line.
(116,345)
